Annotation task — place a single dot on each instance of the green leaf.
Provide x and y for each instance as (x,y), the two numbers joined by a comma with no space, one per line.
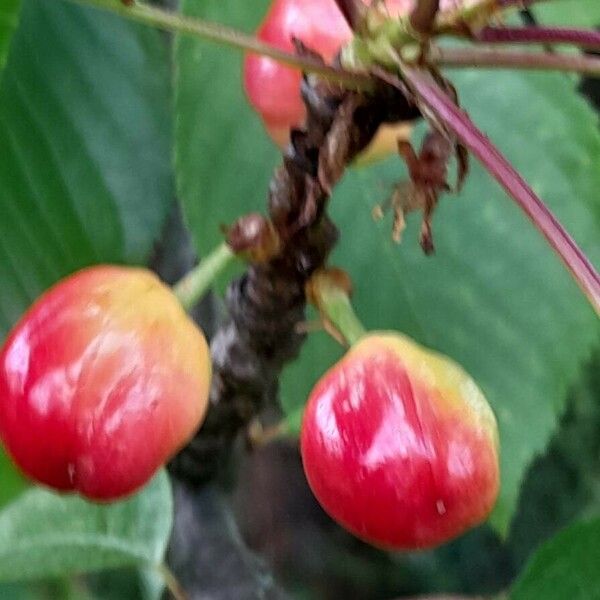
(12,481)
(222,155)
(43,534)
(84,141)
(9,16)
(564,567)
(117,584)
(494,297)
(574,13)
(41,590)
(569,468)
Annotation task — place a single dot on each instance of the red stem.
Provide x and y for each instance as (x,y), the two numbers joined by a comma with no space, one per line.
(465,130)
(517,3)
(540,35)
(507,59)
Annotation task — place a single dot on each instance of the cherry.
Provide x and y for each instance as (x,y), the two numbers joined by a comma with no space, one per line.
(399,445)
(101,382)
(273,89)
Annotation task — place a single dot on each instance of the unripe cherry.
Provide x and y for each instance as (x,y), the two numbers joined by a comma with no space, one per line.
(101,382)
(400,446)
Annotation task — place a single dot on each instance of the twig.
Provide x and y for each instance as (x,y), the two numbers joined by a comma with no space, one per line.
(207,553)
(177,23)
(420,19)
(423,16)
(506,59)
(518,4)
(589,40)
(354,12)
(446,111)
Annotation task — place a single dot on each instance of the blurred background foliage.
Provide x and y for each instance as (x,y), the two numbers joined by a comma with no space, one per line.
(104,124)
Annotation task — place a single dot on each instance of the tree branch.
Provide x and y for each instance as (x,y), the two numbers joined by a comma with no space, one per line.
(452,117)
(207,553)
(267,303)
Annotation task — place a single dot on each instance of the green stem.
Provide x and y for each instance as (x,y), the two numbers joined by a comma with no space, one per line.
(198,281)
(177,23)
(342,315)
(334,304)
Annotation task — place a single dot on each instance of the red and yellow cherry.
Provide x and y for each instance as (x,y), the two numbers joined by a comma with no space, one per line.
(400,446)
(101,382)
(273,89)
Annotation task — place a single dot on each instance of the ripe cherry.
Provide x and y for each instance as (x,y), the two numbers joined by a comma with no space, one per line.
(101,382)
(400,446)
(273,89)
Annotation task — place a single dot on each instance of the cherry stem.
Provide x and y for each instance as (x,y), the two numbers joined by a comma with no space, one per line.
(177,23)
(539,35)
(422,18)
(353,11)
(502,59)
(199,280)
(333,302)
(456,120)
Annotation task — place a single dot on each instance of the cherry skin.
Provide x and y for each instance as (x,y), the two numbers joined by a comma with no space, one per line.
(400,446)
(101,382)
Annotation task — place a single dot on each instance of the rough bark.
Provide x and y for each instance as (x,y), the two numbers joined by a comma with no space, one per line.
(267,303)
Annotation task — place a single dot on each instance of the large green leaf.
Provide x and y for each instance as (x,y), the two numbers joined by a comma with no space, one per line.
(41,590)
(564,567)
(494,297)
(9,14)
(43,534)
(84,141)
(576,13)
(222,156)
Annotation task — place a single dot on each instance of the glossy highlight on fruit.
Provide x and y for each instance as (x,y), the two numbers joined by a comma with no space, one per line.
(400,446)
(273,89)
(101,382)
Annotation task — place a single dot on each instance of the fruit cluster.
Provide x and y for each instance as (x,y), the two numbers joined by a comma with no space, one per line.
(273,90)
(105,378)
